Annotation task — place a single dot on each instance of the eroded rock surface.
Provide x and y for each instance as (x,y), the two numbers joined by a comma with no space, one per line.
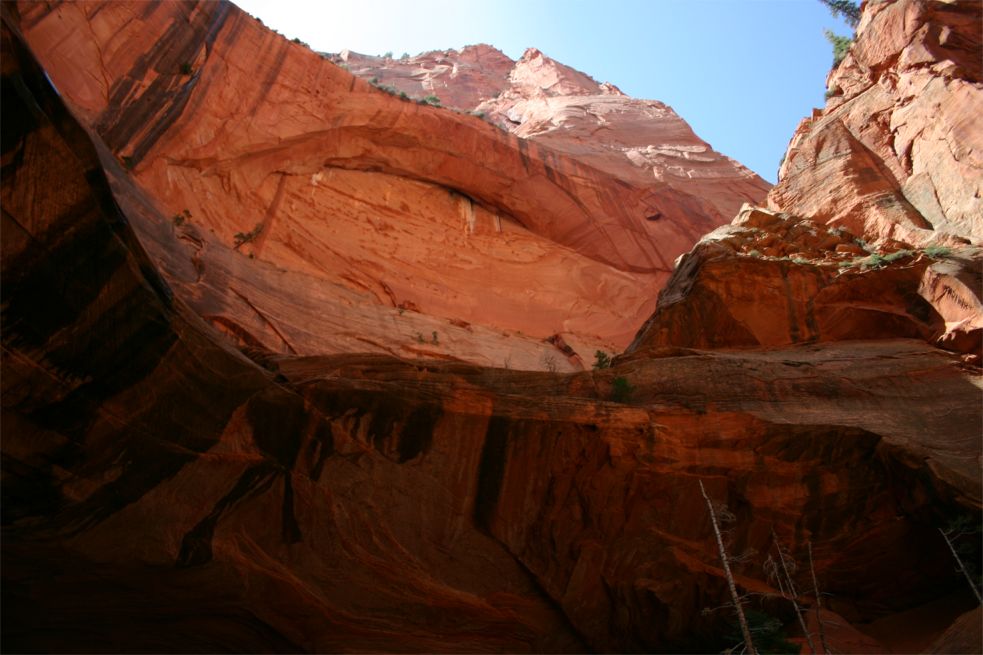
(874,227)
(168,488)
(314,213)
(638,141)
(901,134)
(872,232)
(774,280)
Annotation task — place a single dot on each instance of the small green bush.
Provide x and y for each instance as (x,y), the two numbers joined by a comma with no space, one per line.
(937,252)
(896,255)
(432,100)
(601,359)
(621,390)
(388,54)
(186,69)
(841,46)
(873,261)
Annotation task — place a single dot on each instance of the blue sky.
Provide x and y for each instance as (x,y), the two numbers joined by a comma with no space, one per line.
(742,73)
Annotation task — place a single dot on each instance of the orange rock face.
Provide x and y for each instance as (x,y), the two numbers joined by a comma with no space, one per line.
(873,233)
(644,142)
(342,218)
(901,134)
(877,216)
(772,280)
(207,451)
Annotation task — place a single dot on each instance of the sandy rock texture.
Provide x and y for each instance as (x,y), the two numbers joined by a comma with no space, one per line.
(360,502)
(224,438)
(770,279)
(901,132)
(874,227)
(352,219)
(641,142)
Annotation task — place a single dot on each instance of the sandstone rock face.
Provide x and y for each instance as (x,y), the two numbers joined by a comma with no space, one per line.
(873,223)
(872,232)
(314,213)
(180,473)
(773,280)
(902,131)
(643,142)
(964,636)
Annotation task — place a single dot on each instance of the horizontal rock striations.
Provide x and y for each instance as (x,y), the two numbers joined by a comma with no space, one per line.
(205,450)
(642,142)
(873,232)
(351,219)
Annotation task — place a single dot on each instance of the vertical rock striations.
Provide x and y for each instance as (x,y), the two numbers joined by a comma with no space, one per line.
(344,218)
(209,447)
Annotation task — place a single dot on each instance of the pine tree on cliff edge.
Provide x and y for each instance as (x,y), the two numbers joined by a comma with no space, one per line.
(849,10)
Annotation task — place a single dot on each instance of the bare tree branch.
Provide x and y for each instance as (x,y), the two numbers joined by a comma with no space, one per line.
(819,602)
(962,567)
(730,578)
(792,595)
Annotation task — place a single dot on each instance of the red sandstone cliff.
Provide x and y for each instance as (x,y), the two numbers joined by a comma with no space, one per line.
(167,489)
(897,153)
(642,142)
(877,215)
(372,223)
(872,232)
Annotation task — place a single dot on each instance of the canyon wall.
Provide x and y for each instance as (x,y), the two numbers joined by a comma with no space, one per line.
(874,228)
(205,450)
(643,142)
(343,218)
(900,134)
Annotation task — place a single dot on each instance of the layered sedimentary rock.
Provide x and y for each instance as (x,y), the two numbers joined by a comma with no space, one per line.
(544,101)
(342,218)
(877,216)
(178,480)
(901,132)
(359,502)
(872,233)
(775,280)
